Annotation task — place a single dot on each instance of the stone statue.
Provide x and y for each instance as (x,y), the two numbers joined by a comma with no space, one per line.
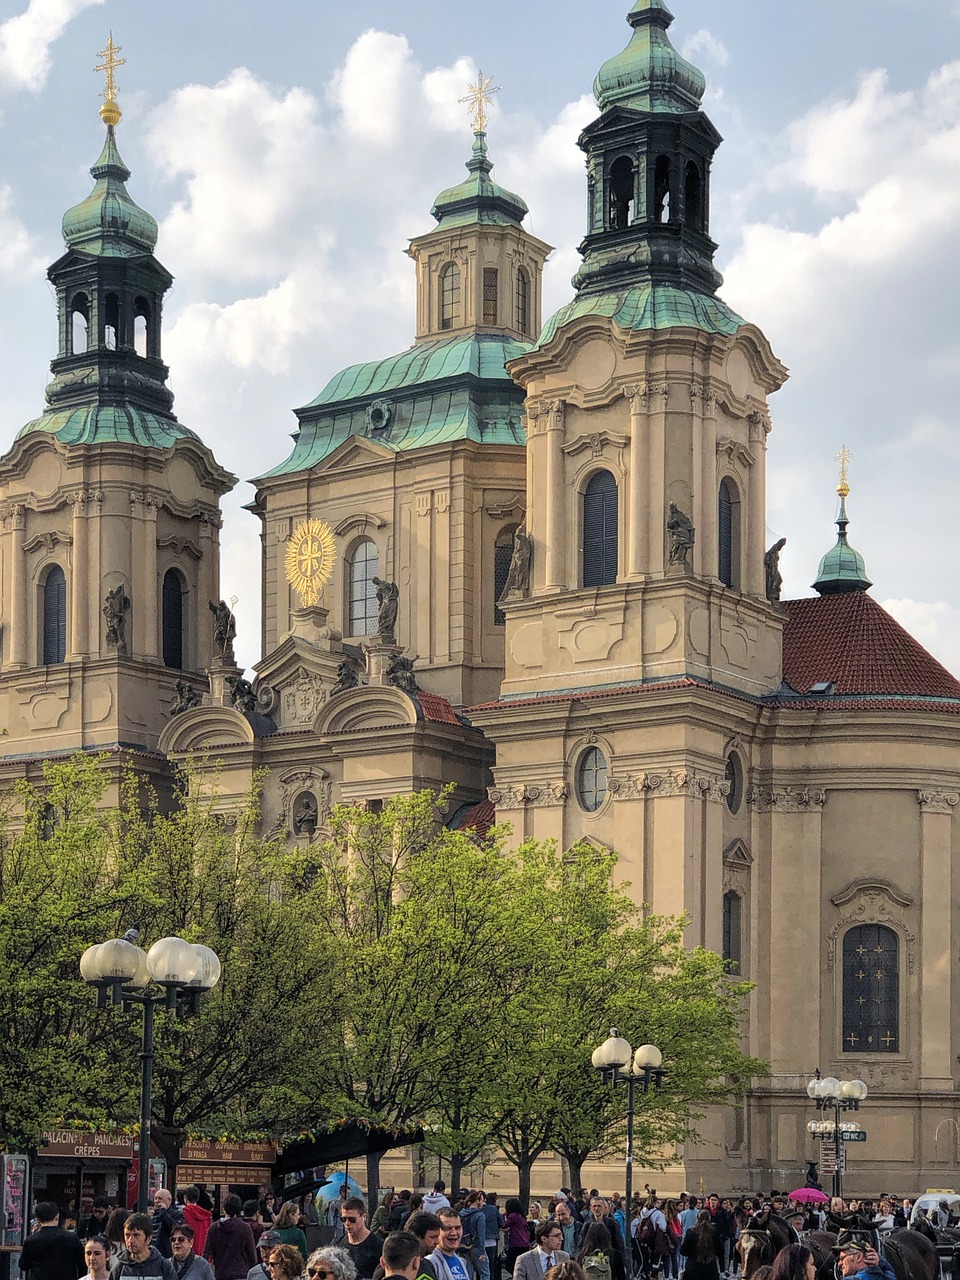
(388,598)
(347,677)
(306,814)
(241,694)
(518,577)
(400,674)
(115,607)
(682,535)
(224,631)
(771,571)
(187,698)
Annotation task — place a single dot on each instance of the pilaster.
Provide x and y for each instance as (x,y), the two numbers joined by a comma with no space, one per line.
(936,820)
(638,531)
(555,550)
(15,524)
(79,639)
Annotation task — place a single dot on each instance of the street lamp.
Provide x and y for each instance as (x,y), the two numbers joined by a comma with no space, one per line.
(173,974)
(619,1064)
(836,1095)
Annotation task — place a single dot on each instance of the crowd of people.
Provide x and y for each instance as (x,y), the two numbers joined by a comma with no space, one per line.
(586,1236)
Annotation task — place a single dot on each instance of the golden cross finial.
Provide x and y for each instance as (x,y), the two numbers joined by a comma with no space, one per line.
(479,97)
(110,112)
(844,458)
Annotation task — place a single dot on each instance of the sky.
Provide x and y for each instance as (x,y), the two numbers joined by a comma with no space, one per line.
(290,153)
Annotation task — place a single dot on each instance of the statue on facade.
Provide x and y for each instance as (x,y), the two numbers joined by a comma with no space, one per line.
(682,535)
(388,598)
(348,677)
(518,576)
(306,814)
(400,674)
(224,631)
(242,695)
(116,605)
(771,571)
(187,698)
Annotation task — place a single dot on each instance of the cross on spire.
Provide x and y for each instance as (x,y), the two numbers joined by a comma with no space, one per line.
(110,112)
(479,97)
(844,458)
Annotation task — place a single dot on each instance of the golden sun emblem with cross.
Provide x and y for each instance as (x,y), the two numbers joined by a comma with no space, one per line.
(309,560)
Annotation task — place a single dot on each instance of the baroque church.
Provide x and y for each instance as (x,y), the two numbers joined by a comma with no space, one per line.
(526,560)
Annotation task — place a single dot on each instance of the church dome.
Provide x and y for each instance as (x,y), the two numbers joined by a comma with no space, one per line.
(842,569)
(108,223)
(649,75)
(478,199)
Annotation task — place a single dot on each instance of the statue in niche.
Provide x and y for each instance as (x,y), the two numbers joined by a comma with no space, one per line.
(306,814)
(242,695)
(348,677)
(224,631)
(400,674)
(682,535)
(388,598)
(518,576)
(187,699)
(116,605)
(771,571)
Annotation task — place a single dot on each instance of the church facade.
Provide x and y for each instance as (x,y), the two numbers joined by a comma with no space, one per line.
(527,560)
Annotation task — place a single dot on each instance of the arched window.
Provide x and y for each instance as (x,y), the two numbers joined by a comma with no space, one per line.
(732,910)
(621,193)
(142,337)
(661,189)
(363,608)
(491,291)
(502,559)
(54,594)
(79,336)
(592,779)
(450,296)
(693,197)
(734,779)
(173,594)
(523,301)
(728,530)
(111,321)
(601,539)
(871,990)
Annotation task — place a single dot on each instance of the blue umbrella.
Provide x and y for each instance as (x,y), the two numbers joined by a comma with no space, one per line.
(332,1189)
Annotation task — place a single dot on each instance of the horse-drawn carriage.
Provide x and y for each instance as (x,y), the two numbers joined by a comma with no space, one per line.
(911,1255)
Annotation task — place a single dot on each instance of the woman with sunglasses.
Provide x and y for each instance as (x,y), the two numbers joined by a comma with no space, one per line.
(330,1263)
(286,1263)
(186,1263)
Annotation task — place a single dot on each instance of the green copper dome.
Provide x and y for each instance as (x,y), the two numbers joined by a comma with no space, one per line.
(479,199)
(649,75)
(842,569)
(108,223)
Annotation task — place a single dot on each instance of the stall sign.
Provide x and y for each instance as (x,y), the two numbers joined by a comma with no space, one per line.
(89,1146)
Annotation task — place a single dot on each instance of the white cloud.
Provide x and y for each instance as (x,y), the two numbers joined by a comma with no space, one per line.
(17,252)
(705,42)
(935,623)
(25,41)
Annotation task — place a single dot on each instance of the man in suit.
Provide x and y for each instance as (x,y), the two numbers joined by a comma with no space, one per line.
(546,1254)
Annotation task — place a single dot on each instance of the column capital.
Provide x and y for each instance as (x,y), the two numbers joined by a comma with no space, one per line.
(938,801)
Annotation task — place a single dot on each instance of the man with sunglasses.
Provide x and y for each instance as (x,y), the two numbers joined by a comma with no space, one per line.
(265,1245)
(186,1263)
(362,1246)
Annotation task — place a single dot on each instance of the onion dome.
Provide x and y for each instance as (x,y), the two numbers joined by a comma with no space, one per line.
(649,75)
(108,223)
(478,199)
(842,569)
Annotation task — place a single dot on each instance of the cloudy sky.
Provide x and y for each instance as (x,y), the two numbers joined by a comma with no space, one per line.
(290,155)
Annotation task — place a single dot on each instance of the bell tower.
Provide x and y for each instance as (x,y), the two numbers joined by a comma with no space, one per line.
(109,506)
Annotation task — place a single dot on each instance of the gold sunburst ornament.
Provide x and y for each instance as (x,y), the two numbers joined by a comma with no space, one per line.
(309,561)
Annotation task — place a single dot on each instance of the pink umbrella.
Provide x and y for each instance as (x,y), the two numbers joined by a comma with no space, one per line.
(808,1195)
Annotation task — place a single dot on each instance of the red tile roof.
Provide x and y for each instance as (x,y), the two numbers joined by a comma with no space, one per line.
(850,641)
(437,709)
(479,819)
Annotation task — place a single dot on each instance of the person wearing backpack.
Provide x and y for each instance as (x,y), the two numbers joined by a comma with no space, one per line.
(474,1240)
(652,1238)
(595,1253)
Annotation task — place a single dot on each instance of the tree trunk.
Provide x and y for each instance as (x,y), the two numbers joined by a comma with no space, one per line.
(373,1182)
(524,1170)
(457,1165)
(574,1165)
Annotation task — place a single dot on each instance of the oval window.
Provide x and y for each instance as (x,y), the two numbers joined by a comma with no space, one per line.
(734,776)
(592,779)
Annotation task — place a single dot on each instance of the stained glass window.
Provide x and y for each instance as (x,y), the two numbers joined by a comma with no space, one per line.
(871,990)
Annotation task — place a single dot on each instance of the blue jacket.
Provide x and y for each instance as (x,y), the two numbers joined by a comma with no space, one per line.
(882,1271)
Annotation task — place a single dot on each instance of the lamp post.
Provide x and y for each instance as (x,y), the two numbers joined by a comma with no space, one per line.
(618,1064)
(835,1095)
(173,975)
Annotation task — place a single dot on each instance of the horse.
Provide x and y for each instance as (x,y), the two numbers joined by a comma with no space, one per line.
(761,1240)
(911,1254)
